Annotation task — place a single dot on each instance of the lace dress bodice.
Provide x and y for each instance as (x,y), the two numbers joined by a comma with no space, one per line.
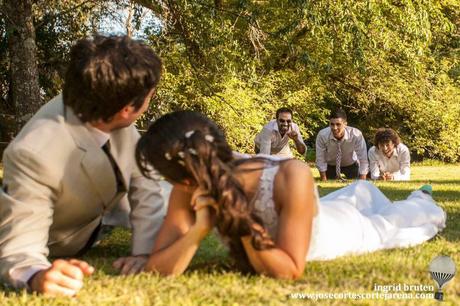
(264,205)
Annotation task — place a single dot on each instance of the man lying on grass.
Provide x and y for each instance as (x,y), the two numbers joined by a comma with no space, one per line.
(73,164)
(267,210)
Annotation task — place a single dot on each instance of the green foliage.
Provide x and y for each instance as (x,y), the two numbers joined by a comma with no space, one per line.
(386,63)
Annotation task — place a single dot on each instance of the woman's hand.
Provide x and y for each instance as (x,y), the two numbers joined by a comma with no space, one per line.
(201,198)
(265,235)
(205,207)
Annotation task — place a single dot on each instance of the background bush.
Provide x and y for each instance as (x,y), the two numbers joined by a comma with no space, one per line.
(393,63)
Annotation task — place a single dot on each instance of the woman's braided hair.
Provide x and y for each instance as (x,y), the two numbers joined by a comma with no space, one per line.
(187,145)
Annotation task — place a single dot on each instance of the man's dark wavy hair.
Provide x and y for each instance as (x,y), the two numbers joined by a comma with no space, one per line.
(106,74)
(384,135)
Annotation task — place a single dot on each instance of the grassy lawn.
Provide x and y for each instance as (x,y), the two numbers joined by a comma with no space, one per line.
(209,280)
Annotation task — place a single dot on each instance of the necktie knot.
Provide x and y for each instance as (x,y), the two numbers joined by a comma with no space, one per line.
(106,147)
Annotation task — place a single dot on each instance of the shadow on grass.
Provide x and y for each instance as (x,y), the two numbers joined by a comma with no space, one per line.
(10,292)
(433,181)
(452,231)
(109,249)
(397,193)
(212,266)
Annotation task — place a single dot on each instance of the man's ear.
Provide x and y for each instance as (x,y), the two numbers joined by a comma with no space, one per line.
(125,112)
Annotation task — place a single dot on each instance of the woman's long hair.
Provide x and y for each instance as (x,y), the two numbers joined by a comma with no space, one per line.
(187,145)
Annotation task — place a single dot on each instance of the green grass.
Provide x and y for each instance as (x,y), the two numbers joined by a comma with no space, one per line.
(209,281)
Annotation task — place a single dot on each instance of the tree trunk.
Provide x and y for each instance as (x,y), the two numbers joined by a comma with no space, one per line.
(24,92)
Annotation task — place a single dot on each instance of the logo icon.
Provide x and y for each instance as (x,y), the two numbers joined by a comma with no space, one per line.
(442,270)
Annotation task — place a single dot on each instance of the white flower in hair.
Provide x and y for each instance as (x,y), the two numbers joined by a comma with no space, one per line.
(209,138)
(192,151)
(189,133)
(181,154)
(181,162)
(168,156)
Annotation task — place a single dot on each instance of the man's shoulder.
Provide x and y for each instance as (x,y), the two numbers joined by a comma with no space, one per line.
(324,132)
(372,151)
(402,148)
(126,135)
(46,127)
(267,129)
(354,131)
(50,113)
(270,124)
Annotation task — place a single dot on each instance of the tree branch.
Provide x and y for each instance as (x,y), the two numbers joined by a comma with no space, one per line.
(52,17)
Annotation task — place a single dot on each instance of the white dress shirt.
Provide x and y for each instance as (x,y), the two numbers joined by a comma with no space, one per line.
(21,276)
(270,142)
(398,164)
(353,148)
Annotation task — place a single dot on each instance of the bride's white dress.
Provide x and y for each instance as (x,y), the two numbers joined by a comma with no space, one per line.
(358,218)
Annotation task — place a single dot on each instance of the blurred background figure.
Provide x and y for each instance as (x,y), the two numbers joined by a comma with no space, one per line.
(275,135)
(341,149)
(389,159)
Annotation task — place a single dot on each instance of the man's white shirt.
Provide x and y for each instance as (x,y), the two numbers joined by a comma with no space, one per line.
(398,164)
(353,148)
(270,142)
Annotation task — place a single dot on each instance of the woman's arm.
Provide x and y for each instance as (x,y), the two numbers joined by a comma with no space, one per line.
(294,191)
(179,236)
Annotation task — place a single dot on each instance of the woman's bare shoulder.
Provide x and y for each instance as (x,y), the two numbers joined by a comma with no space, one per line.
(293,168)
(294,178)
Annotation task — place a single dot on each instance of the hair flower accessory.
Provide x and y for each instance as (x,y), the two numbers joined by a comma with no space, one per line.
(209,138)
(193,151)
(189,133)
(181,154)
(168,156)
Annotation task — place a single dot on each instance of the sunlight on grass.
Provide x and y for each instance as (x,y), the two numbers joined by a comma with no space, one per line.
(210,280)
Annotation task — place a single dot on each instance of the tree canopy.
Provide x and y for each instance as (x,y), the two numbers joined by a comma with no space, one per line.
(392,63)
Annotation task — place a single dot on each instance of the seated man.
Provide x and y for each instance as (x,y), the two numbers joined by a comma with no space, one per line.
(275,135)
(341,149)
(389,159)
(73,163)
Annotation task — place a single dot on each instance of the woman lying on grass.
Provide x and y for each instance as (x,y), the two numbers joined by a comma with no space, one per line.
(267,211)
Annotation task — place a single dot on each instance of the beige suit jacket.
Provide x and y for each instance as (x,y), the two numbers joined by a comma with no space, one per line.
(57,185)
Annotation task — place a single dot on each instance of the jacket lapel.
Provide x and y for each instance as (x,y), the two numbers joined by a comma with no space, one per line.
(94,162)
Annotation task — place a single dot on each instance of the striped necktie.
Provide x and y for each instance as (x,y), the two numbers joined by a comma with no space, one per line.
(338,160)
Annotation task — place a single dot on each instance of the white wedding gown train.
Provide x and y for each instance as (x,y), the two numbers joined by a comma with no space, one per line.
(359,218)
